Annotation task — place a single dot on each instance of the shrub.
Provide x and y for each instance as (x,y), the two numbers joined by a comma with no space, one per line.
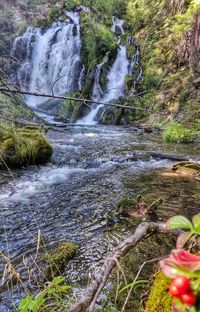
(176,133)
(97,40)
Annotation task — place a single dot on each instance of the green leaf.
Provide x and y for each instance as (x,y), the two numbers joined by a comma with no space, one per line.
(196,222)
(58,280)
(133,284)
(25,303)
(179,222)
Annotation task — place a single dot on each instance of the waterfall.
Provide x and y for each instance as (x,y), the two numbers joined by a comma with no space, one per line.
(51,61)
(115,78)
(51,64)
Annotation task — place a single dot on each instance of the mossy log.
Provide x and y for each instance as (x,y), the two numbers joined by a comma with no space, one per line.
(186,164)
(23,146)
(187,168)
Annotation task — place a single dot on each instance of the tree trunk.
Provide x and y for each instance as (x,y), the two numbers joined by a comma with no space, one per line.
(195,47)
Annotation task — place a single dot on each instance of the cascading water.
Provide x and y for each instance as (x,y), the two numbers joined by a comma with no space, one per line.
(51,61)
(115,78)
(51,64)
(97,94)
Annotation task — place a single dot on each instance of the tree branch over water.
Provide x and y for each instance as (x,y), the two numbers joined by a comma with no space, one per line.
(88,300)
(84,101)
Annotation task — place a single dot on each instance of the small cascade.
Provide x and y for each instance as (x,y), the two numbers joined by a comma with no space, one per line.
(97,95)
(51,61)
(81,78)
(135,63)
(118,26)
(115,78)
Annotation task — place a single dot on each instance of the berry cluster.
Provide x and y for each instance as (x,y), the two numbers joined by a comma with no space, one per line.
(181,289)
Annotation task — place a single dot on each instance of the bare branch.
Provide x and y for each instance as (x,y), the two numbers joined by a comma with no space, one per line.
(101,276)
(84,101)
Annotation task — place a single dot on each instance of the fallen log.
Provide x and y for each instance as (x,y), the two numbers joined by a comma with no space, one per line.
(101,275)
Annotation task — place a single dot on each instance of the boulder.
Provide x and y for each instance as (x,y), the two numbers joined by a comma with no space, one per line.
(23,146)
(187,168)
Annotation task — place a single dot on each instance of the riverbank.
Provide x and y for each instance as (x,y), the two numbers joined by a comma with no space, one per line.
(71,198)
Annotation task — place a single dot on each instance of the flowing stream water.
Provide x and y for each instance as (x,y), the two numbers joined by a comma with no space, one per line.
(71,197)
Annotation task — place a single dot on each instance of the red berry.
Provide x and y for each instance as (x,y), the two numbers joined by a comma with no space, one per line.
(182,283)
(189,298)
(174,291)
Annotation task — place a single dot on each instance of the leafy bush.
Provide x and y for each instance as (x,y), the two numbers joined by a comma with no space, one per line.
(55,294)
(150,81)
(176,133)
(97,40)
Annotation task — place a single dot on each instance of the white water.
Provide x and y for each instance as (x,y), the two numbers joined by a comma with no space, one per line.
(117,23)
(115,79)
(52,61)
(97,94)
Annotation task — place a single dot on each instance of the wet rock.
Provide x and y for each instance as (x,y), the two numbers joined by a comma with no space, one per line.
(187,168)
(57,259)
(196,82)
(172,157)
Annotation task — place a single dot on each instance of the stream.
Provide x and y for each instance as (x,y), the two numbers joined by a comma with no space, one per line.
(69,198)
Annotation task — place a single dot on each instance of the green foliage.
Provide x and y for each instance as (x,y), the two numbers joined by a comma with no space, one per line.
(141,12)
(159,299)
(12,107)
(55,13)
(176,133)
(132,285)
(23,146)
(69,108)
(57,259)
(97,40)
(52,298)
(181,222)
(104,8)
(150,81)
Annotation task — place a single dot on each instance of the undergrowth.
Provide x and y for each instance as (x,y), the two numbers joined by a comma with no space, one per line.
(176,133)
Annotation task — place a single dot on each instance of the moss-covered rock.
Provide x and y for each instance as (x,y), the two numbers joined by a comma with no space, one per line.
(23,146)
(187,168)
(13,108)
(159,300)
(69,108)
(57,259)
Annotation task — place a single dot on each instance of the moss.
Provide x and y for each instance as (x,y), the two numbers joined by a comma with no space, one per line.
(176,133)
(23,146)
(69,108)
(159,300)
(97,40)
(56,260)
(12,108)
